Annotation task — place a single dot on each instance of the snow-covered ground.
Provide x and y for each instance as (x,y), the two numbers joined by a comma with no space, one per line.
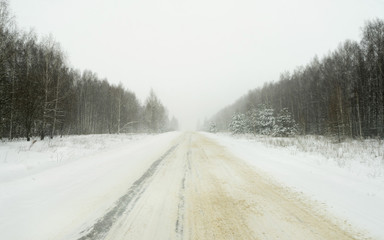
(20,158)
(53,187)
(347,178)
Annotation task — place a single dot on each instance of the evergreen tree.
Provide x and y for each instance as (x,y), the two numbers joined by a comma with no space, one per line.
(285,124)
(265,120)
(252,117)
(212,127)
(238,124)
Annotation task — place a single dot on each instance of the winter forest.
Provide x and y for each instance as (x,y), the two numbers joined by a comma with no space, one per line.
(340,95)
(41,95)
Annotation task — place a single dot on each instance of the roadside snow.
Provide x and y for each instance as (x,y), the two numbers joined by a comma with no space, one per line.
(20,158)
(58,188)
(351,190)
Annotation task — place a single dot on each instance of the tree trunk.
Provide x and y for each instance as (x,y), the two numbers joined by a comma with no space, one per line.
(55,109)
(12,104)
(358,114)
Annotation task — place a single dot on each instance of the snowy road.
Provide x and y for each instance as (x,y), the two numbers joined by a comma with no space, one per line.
(174,187)
(197,190)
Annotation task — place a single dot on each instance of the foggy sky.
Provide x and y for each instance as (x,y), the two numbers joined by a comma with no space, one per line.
(197,55)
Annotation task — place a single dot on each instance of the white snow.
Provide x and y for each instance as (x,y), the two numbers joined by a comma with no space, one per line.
(347,178)
(20,158)
(49,189)
(56,188)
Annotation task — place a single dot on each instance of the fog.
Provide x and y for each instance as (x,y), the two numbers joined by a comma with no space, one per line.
(198,56)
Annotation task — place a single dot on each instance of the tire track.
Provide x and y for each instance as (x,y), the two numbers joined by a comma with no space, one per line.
(179,228)
(125,204)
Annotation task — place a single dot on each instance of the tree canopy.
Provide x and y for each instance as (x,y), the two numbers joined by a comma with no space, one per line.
(341,94)
(41,95)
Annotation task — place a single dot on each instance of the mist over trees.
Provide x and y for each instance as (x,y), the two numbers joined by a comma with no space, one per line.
(341,94)
(40,95)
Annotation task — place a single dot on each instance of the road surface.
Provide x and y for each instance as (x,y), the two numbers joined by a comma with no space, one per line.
(198,190)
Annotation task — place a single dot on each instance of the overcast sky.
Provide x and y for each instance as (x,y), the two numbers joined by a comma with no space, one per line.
(197,55)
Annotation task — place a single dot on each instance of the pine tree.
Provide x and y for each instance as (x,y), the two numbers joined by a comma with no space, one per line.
(285,124)
(252,117)
(238,124)
(212,127)
(265,120)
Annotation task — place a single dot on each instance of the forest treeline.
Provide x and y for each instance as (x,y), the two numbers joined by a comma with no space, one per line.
(341,94)
(41,95)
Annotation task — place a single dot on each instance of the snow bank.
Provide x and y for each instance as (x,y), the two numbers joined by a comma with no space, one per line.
(20,158)
(347,178)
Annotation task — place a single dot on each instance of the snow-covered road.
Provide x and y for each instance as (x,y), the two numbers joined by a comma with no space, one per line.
(171,186)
